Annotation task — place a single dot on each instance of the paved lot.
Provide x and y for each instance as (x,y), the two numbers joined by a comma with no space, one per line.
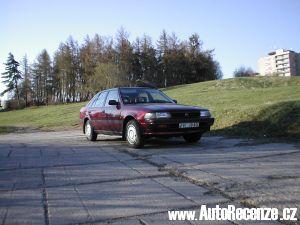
(60,178)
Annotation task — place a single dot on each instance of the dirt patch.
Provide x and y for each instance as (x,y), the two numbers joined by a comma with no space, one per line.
(12,129)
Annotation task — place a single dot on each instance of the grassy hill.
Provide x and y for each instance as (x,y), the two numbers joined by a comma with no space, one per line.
(248,106)
(244,106)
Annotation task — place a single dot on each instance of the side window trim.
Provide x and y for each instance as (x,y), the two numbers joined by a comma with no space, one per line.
(120,97)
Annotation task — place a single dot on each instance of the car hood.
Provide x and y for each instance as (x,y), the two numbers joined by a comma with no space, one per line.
(164,107)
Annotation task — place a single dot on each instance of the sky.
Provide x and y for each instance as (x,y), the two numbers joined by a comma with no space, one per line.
(239,31)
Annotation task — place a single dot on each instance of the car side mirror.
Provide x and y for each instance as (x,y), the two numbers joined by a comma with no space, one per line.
(113,102)
(175,101)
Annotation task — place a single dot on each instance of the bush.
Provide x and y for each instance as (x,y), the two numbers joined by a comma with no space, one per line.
(14,104)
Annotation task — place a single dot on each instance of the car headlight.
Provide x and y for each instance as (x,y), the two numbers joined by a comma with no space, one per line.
(205,113)
(157,115)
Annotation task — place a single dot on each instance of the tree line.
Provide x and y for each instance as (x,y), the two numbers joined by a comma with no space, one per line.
(76,72)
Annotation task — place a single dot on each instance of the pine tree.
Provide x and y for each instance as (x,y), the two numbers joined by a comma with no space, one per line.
(12,76)
(124,55)
(42,78)
(163,50)
(148,60)
(26,84)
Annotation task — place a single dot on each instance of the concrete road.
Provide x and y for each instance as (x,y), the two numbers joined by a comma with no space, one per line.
(61,178)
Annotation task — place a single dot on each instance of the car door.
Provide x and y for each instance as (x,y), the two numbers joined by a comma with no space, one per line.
(113,120)
(97,113)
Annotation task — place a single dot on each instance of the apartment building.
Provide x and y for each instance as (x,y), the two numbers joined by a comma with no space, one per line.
(280,62)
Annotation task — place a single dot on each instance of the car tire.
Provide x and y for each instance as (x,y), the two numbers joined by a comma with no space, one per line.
(133,134)
(90,133)
(192,138)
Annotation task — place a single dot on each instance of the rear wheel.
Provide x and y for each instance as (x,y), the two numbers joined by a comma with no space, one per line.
(89,131)
(133,134)
(192,138)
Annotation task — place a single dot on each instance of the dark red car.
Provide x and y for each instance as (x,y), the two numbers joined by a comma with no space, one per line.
(138,113)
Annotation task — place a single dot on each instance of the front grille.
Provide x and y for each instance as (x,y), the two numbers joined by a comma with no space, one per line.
(185,115)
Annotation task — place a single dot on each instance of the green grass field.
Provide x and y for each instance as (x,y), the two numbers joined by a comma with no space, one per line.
(245,107)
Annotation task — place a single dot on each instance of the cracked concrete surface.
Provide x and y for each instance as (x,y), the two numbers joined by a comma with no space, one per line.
(61,178)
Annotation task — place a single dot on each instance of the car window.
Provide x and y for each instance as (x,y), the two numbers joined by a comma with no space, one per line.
(143,95)
(157,96)
(112,95)
(92,101)
(100,101)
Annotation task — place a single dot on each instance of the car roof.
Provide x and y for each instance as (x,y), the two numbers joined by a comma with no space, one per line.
(138,87)
(112,89)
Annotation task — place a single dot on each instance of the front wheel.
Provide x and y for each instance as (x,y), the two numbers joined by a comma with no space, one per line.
(192,138)
(89,132)
(133,134)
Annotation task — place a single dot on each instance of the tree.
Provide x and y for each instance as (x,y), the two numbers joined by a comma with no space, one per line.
(124,56)
(136,61)
(194,44)
(243,72)
(148,60)
(68,72)
(107,76)
(162,45)
(92,53)
(42,80)
(73,69)
(26,84)
(218,71)
(12,76)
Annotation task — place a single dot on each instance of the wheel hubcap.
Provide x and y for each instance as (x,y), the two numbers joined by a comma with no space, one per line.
(131,134)
(88,130)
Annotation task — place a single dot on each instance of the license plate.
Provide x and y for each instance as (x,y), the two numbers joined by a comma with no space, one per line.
(188,125)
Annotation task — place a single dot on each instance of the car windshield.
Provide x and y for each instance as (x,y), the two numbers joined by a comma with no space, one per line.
(143,95)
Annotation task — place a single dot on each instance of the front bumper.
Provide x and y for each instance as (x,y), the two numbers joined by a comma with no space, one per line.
(170,127)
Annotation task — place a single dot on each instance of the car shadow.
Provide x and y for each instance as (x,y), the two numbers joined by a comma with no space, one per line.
(159,143)
(151,143)
(108,139)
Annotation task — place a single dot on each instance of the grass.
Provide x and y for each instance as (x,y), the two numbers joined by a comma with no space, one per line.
(261,106)
(52,117)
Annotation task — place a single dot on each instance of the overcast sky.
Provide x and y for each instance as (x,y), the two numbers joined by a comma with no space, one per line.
(239,31)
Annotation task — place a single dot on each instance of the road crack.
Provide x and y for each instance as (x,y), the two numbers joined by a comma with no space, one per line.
(45,199)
